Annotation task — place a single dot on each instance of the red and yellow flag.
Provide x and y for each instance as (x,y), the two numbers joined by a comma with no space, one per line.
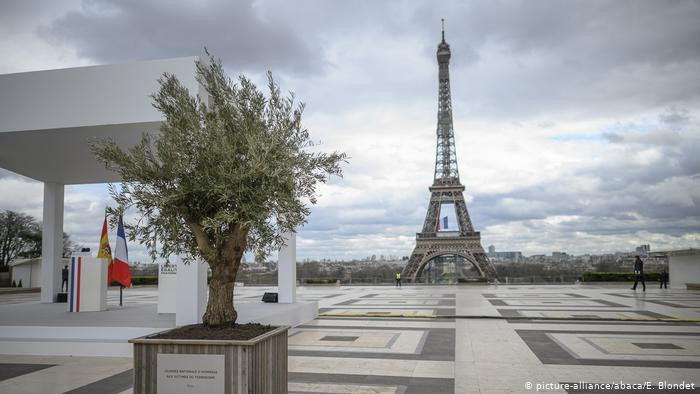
(105,252)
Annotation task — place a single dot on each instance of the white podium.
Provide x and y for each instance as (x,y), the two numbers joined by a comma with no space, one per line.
(87,285)
(191,294)
(167,287)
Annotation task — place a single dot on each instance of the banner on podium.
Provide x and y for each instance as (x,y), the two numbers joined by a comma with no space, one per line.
(88,284)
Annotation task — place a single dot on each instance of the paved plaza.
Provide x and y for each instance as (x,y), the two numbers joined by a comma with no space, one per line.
(519,337)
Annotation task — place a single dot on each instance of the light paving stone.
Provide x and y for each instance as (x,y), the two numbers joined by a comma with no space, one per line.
(414,323)
(502,376)
(349,310)
(373,341)
(372,366)
(464,350)
(466,378)
(341,388)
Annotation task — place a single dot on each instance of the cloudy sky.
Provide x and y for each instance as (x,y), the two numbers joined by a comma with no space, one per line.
(577,123)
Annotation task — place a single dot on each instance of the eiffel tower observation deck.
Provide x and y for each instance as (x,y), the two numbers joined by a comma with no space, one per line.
(443,252)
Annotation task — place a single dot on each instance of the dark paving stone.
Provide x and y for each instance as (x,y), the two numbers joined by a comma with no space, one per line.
(600,323)
(550,352)
(339,338)
(110,385)
(534,296)
(9,371)
(499,302)
(657,345)
(516,312)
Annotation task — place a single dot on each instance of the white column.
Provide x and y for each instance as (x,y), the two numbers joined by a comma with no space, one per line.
(191,296)
(51,241)
(287,270)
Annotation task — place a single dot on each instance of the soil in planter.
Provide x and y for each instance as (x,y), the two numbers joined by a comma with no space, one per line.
(240,332)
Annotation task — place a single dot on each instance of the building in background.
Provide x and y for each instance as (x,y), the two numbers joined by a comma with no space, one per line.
(559,256)
(504,257)
(29,271)
(642,250)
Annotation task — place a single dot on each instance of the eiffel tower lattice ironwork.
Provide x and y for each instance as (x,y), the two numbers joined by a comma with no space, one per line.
(431,243)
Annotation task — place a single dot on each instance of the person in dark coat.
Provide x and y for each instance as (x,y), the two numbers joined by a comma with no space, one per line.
(639,273)
(64,276)
(663,279)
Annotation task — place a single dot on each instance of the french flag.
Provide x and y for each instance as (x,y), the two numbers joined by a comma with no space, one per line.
(120,267)
(443,222)
(76,264)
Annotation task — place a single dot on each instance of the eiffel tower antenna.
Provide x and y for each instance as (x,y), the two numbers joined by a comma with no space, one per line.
(435,241)
(443,29)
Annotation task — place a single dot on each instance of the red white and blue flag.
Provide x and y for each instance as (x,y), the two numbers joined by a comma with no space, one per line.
(76,264)
(442,224)
(119,269)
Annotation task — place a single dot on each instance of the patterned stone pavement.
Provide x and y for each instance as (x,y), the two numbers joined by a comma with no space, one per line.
(362,349)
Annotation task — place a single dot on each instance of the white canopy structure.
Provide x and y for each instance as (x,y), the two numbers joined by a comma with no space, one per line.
(47,119)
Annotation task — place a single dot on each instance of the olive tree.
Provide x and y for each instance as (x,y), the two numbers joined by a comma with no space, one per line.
(228,173)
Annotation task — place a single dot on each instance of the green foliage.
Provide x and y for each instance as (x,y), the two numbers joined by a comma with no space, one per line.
(529,270)
(20,283)
(144,280)
(237,164)
(16,236)
(14,284)
(481,279)
(319,281)
(20,236)
(616,276)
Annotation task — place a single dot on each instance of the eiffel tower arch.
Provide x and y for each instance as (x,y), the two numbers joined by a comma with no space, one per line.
(436,240)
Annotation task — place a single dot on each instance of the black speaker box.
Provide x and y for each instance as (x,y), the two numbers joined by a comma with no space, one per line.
(62,297)
(269,297)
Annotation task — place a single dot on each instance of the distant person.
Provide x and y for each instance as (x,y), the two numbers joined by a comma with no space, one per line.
(663,279)
(639,273)
(64,275)
(398,279)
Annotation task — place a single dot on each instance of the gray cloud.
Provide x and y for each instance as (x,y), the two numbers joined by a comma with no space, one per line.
(621,192)
(675,116)
(110,31)
(514,59)
(576,122)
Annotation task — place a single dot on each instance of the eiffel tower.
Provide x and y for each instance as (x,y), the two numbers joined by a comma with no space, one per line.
(434,242)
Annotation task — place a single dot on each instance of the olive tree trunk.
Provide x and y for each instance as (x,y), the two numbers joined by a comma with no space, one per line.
(220,308)
(224,263)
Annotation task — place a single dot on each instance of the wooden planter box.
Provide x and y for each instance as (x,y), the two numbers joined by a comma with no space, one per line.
(258,365)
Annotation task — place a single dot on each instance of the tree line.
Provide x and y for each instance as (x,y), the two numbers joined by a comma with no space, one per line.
(20,237)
